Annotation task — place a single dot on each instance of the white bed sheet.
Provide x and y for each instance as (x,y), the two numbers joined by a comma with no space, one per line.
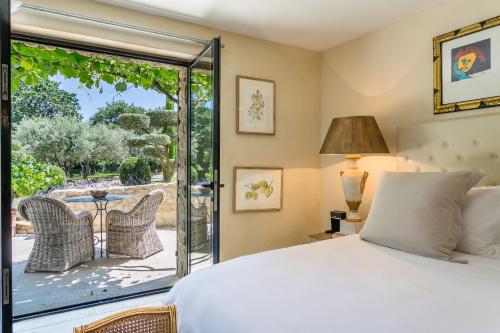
(340,285)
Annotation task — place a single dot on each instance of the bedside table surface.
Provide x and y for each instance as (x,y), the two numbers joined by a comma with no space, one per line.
(325,236)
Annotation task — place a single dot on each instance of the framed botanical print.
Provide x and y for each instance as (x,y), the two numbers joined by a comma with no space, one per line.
(467,68)
(255,105)
(257,189)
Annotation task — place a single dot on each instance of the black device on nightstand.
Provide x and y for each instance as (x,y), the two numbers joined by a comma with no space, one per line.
(335,218)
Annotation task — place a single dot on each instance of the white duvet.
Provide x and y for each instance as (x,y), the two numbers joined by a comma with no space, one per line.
(340,285)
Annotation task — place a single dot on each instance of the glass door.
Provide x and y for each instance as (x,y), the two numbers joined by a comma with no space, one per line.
(203,158)
(5,194)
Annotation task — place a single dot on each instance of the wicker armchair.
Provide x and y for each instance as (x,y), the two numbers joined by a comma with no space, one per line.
(62,239)
(133,234)
(159,319)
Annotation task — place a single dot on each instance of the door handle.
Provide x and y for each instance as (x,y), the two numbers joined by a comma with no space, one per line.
(209,185)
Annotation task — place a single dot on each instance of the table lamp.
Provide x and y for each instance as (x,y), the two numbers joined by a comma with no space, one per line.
(354,136)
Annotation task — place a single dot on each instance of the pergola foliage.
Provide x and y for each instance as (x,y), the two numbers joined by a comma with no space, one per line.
(30,63)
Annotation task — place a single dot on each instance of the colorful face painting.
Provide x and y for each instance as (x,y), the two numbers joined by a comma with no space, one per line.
(470,61)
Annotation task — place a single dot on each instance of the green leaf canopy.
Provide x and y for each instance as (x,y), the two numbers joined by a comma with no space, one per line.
(43,99)
(109,114)
(31,63)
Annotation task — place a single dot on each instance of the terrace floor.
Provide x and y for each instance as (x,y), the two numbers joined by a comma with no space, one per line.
(93,280)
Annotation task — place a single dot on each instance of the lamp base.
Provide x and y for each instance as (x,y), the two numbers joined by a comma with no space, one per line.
(353,183)
(353,216)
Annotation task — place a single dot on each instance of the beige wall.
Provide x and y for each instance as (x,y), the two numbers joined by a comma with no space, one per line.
(295,146)
(388,74)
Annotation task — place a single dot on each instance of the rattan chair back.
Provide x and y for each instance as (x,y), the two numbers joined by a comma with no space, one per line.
(160,319)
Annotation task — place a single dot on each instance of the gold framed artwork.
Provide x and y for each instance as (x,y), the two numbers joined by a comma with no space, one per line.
(467,68)
(257,189)
(255,106)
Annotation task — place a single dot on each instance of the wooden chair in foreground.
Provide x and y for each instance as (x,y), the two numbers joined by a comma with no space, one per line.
(158,319)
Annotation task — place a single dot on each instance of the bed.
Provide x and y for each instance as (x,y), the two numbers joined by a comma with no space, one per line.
(340,285)
(349,285)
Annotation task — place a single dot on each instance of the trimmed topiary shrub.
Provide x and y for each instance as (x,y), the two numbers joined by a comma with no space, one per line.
(136,142)
(154,133)
(130,121)
(157,139)
(162,118)
(135,171)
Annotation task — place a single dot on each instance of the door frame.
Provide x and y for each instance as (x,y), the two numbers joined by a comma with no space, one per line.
(215,44)
(5,154)
(5,169)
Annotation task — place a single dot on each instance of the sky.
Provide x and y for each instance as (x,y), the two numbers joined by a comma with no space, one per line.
(91,99)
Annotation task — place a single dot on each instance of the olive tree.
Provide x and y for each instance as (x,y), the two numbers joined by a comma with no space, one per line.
(153,135)
(109,147)
(62,141)
(68,142)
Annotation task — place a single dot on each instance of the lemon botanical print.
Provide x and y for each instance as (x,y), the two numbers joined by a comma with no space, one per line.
(256,110)
(262,187)
(257,189)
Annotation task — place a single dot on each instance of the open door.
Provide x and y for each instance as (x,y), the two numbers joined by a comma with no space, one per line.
(202,160)
(5,194)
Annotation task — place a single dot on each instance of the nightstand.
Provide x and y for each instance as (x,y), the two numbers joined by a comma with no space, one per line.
(324,236)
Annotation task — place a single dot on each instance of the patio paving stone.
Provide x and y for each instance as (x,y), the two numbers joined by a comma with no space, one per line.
(91,281)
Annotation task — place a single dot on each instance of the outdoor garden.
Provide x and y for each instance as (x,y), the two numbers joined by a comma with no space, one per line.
(53,147)
(126,147)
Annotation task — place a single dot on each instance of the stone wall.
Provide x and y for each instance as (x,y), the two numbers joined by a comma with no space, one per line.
(166,216)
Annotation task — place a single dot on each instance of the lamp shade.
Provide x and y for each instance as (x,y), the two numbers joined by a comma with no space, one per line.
(353,136)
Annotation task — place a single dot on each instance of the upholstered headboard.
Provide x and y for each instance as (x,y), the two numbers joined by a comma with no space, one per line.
(471,143)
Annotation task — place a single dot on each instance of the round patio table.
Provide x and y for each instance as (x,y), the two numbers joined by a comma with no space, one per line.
(101,206)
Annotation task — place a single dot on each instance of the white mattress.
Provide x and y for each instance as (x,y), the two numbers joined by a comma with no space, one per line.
(340,285)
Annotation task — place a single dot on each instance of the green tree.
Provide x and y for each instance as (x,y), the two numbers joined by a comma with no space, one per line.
(68,142)
(109,147)
(62,141)
(109,114)
(43,99)
(201,124)
(153,136)
(33,63)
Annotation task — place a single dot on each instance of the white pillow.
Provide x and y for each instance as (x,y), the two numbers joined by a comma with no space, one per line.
(481,222)
(419,213)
